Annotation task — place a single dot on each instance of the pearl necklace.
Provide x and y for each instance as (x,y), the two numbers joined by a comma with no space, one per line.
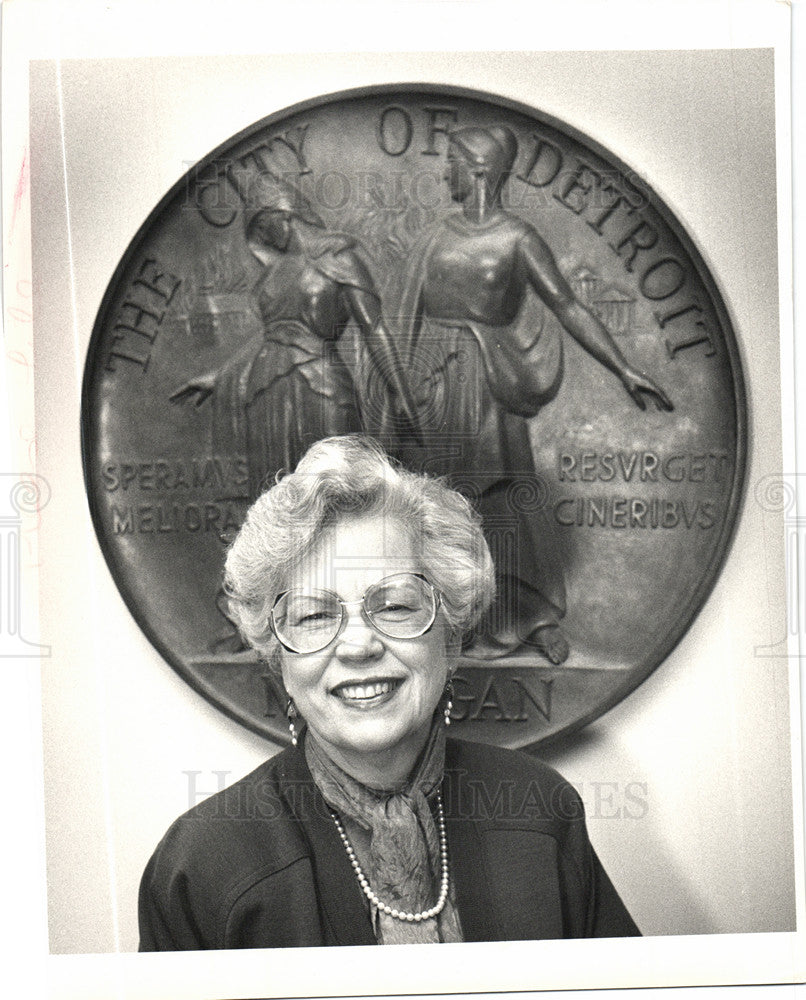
(367,889)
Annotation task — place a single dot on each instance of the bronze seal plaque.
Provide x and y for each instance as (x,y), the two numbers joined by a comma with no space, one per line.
(496,299)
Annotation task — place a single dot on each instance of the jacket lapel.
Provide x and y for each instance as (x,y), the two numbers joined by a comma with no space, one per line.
(469,875)
(344,914)
(506,873)
(466,855)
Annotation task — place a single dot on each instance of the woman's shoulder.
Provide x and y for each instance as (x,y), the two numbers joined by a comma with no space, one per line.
(498,787)
(265,778)
(233,850)
(237,819)
(480,760)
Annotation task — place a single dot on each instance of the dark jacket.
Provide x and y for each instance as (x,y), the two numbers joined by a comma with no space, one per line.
(261,865)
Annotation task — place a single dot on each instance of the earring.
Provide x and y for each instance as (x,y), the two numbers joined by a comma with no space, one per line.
(291,714)
(449,702)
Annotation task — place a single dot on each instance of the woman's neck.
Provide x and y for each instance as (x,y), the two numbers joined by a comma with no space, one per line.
(386,770)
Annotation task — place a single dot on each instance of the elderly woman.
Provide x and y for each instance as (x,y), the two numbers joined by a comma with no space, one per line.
(357,581)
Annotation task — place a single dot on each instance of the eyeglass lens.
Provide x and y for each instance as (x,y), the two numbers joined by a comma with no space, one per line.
(401,607)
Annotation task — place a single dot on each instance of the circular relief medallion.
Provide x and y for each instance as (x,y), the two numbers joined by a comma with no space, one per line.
(495,298)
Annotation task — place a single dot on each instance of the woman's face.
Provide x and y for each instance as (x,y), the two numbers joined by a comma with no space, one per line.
(366,695)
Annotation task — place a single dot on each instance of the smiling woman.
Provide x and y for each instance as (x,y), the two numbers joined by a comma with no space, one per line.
(369,694)
(358,582)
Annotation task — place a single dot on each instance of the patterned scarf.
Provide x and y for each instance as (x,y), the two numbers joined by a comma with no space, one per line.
(404,864)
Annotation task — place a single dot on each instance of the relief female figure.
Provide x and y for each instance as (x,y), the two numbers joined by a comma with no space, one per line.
(489,365)
(288,387)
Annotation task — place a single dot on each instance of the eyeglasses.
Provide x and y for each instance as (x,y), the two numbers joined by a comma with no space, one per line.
(403,606)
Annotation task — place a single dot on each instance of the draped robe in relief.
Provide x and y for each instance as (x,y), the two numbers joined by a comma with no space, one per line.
(476,386)
(288,386)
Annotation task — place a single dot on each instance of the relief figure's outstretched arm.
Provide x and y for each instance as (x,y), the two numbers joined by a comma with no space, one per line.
(582,324)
